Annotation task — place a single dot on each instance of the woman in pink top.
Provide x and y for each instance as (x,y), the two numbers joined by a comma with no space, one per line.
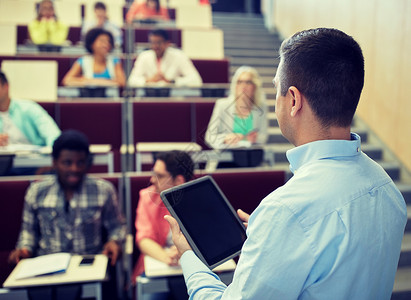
(150,9)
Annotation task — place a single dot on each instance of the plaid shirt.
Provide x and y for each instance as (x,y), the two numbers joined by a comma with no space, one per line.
(81,225)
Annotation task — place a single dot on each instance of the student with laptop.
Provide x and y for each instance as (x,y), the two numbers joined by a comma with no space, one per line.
(334,230)
(153,235)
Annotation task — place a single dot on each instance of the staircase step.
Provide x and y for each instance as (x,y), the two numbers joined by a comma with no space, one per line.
(392,168)
(255,62)
(408,225)
(262,71)
(402,284)
(406,191)
(237,53)
(405,256)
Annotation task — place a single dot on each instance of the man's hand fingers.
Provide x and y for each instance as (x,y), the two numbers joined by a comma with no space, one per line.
(243,216)
(175,229)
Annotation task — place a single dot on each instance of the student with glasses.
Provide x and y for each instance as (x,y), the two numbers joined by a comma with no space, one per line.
(242,116)
(153,235)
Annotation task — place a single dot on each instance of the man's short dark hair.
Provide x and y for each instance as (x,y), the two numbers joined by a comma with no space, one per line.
(99,5)
(3,78)
(177,163)
(93,34)
(72,140)
(327,67)
(161,33)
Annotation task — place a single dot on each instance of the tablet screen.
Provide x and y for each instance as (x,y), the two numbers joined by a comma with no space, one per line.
(207,219)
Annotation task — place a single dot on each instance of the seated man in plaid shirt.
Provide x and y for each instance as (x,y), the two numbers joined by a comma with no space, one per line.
(71,212)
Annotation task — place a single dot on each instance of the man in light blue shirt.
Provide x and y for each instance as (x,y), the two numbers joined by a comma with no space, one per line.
(24,122)
(334,230)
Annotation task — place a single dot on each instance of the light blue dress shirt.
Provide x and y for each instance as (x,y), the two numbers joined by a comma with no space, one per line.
(333,231)
(33,121)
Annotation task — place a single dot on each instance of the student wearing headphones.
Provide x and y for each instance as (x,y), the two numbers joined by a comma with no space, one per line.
(69,211)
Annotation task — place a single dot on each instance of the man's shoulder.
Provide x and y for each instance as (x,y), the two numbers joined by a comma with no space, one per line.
(23,103)
(146,54)
(43,185)
(100,183)
(176,52)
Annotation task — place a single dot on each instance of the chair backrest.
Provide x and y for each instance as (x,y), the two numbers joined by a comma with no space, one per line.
(213,70)
(99,120)
(203,114)
(11,202)
(8,38)
(69,12)
(162,121)
(196,43)
(17,12)
(30,79)
(194,16)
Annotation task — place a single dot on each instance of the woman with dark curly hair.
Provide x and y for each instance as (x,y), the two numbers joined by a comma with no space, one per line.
(98,68)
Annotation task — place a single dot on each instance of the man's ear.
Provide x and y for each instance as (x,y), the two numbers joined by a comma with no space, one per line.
(296,100)
(179,179)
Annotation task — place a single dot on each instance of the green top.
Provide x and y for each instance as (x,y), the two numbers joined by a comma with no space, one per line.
(243,125)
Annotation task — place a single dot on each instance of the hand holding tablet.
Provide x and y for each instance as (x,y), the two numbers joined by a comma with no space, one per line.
(209,225)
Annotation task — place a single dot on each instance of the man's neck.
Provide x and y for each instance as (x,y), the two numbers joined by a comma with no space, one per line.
(5,104)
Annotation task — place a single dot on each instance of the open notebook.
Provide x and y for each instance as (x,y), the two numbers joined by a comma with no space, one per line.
(43,265)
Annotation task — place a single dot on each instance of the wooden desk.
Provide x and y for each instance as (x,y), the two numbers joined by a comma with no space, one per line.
(42,157)
(90,277)
(144,150)
(216,90)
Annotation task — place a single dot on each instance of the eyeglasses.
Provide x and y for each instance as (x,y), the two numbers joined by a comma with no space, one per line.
(160,176)
(246,82)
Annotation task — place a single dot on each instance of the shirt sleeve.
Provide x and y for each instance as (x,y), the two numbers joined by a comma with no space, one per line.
(38,32)
(58,32)
(29,232)
(137,76)
(274,264)
(262,134)
(216,129)
(189,75)
(113,219)
(44,124)
(144,226)
(133,10)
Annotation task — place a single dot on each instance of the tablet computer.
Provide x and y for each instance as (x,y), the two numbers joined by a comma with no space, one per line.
(208,221)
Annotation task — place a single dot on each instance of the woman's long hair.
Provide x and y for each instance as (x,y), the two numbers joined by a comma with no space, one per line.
(259,95)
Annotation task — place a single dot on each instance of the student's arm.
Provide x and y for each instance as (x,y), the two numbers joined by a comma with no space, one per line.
(137,75)
(38,32)
(151,248)
(74,76)
(45,125)
(120,75)
(219,125)
(18,254)
(189,74)
(114,222)
(58,32)
(29,233)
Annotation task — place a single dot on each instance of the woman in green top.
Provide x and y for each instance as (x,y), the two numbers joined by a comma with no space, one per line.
(46,29)
(241,118)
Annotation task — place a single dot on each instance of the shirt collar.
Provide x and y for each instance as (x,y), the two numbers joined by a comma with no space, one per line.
(323,149)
